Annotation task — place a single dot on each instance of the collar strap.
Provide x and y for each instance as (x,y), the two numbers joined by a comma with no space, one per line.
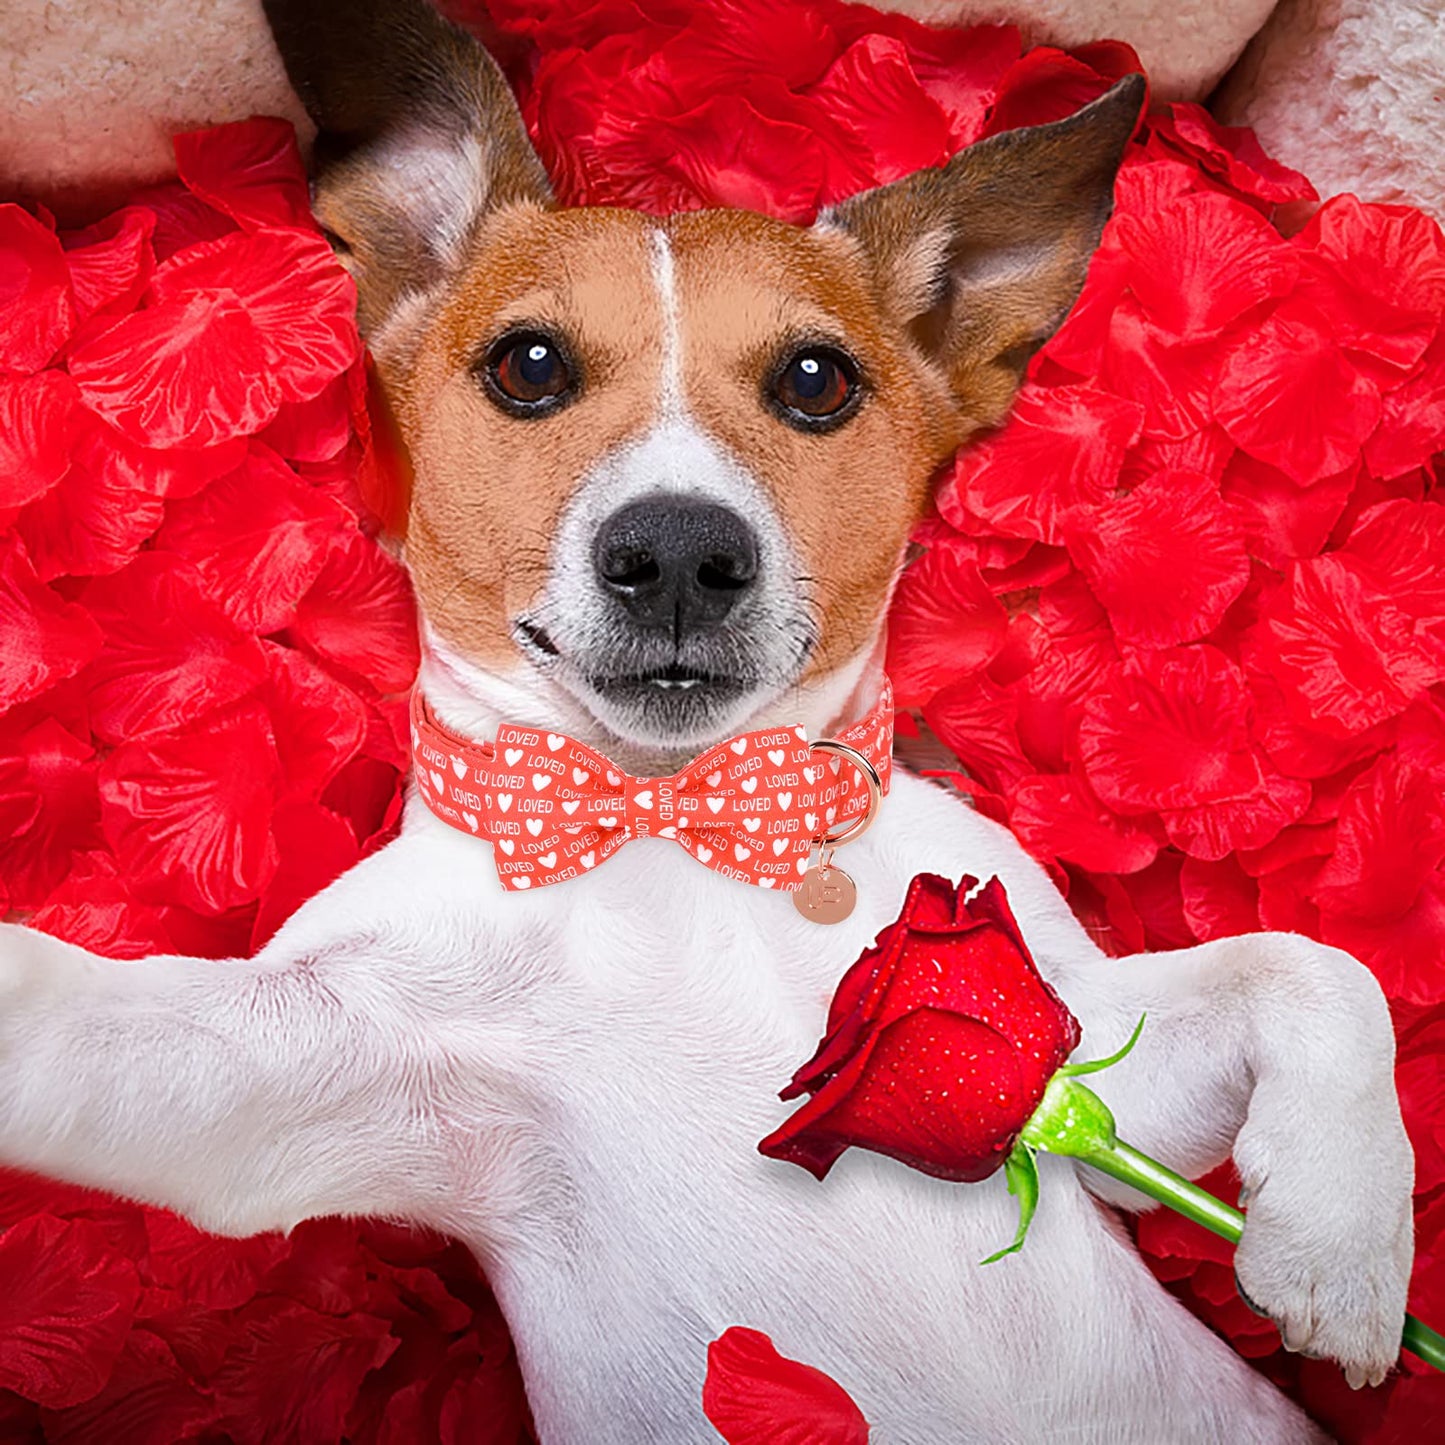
(751,808)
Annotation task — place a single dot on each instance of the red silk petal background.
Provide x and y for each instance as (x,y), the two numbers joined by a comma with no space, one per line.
(1182,621)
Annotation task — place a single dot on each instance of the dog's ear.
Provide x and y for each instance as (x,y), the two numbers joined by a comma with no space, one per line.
(418,138)
(980,259)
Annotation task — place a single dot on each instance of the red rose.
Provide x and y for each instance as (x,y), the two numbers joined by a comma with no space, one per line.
(941,1040)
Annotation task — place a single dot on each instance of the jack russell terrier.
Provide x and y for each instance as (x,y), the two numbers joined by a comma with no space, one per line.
(665,474)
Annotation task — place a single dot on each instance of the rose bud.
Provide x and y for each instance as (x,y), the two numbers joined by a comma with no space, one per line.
(941,1040)
(755,1396)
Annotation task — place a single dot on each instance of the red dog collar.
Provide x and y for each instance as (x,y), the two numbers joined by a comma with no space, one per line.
(752,808)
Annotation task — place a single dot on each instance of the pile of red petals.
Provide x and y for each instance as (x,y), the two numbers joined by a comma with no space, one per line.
(1182,621)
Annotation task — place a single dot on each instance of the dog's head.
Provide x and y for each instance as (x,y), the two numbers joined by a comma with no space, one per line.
(666,469)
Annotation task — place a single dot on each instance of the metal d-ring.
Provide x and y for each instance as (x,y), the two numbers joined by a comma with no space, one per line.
(859,825)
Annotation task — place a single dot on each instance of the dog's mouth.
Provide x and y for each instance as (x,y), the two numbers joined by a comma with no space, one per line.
(671,679)
(668,697)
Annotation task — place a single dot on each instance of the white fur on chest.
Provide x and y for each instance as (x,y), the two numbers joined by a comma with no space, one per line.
(601,1059)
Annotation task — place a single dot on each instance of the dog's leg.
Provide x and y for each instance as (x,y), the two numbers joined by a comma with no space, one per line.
(1280,1051)
(246,1095)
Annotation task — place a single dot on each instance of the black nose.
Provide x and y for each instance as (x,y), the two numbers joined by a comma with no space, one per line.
(677,563)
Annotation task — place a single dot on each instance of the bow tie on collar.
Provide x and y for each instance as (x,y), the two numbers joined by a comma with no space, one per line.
(751,808)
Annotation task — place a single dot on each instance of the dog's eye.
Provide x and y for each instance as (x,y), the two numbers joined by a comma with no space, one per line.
(527,373)
(815,386)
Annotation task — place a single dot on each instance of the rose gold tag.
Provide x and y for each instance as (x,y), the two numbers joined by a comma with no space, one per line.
(827,894)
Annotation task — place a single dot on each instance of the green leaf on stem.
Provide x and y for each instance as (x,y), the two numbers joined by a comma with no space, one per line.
(1072,1071)
(1023,1183)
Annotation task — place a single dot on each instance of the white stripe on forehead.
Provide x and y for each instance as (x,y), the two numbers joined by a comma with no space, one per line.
(664,275)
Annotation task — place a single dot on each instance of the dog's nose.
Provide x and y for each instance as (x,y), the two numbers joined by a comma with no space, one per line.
(676,562)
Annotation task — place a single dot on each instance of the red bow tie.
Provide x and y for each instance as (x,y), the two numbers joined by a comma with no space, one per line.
(751,808)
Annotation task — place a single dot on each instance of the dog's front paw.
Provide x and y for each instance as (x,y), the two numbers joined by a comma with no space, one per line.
(1329,1238)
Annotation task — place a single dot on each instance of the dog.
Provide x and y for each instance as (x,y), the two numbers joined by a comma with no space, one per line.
(665,472)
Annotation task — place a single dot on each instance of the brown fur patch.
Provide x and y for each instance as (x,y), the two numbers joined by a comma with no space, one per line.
(490,487)
(749,290)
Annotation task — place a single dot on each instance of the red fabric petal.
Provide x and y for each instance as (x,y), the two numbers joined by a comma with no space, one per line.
(360,616)
(1406,953)
(149,1399)
(42,638)
(1172,735)
(1041,86)
(171,655)
(1346,655)
(295,1372)
(293,290)
(251,170)
(191,814)
(1399,546)
(314,848)
(1058,454)
(182,219)
(96,519)
(214,1273)
(320,724)
(110,263)
(1281,521)
(1166,560)
(1378,273)
(1057,816)
(1172,382)
(1199,262)
(1220,899)
(48,809)
(873,92)
(35,434)
(1232,153)
(755,1396)
(1412,426)
(257,539)
(315,430)
(979,722)
(36,309)
(97,909)
(188,372)
(945,624)
(1289,396)
(61,1328)
(1390,839)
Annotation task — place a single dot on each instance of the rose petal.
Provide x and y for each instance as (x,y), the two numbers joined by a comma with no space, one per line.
(360,616)
(1199,262)
(257,538)
(35,434)
(184,373)
(945,625)
(294,292)
(171,655)
(251,170)
(1059,453)
(755,1396)
(1166,560)
(110,263)
(64,1313)
(190,814)
(1291,398)
(42,638)
(36,308)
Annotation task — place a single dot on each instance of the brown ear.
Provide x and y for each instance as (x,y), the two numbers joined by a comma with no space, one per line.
(980,259)
(419,137)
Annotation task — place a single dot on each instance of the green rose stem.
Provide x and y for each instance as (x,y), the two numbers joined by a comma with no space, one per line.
(1072,1119)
